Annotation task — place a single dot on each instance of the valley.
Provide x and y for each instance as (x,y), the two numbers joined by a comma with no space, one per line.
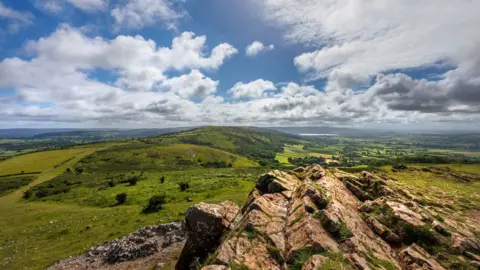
(60,202)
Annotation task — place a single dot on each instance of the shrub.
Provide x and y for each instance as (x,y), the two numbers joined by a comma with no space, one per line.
(68,170)
(133,180)
(111,183)
(121,198)
(155,203)
(162,179)
(183,186)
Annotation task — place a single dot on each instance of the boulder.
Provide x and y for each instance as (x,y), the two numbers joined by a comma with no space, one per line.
(205,224)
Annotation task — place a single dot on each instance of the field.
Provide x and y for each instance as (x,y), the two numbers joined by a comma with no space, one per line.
(37,162)
(297,151)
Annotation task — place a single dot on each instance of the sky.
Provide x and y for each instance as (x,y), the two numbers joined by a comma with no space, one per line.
(164,63)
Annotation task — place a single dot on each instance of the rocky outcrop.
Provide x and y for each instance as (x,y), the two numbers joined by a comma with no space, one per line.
(313,217)
(205,224)
(146,242)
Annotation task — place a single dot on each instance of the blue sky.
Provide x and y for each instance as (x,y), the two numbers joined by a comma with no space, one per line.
(95,63)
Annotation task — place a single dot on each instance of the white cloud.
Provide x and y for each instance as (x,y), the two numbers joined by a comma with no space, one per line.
(56,6)
(254,89)
(257,47)
(368,37)
(15,19)
(136,14)
(139,62)
(89,5)
(192,85)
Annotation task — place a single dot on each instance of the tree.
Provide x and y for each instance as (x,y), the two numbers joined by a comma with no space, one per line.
(121,198)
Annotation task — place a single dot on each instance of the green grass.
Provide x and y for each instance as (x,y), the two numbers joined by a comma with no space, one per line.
(209,185)
(438,187)
(34,235)
(37,162)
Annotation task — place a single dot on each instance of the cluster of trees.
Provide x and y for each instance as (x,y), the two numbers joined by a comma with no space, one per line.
(307,160)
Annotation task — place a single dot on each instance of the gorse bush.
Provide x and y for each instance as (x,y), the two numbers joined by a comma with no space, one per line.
(162,179)
(121,198)
(155,204)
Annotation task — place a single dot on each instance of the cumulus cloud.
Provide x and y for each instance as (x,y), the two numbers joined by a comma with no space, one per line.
(254,89)
(192,85)
(136,14)
(15,19)
(142,91)
(139,63)
(257,47)
(56,6)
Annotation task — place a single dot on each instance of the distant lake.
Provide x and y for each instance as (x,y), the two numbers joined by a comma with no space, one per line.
(317,134)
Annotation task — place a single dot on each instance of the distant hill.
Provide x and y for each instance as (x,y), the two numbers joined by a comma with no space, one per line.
(254,143)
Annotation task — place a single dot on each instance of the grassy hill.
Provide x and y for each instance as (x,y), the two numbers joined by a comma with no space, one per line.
(256,144)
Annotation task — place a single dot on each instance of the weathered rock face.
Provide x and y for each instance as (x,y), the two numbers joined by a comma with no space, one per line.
(205,224)
(141,247)
(313,217)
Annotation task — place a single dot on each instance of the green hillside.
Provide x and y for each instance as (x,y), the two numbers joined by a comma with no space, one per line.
(143,156)
(257,144)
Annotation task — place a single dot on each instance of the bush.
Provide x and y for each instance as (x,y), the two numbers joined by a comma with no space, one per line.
(183,186)
(155,204)
(121,198)
(111,183)
(133,180)
(162,179)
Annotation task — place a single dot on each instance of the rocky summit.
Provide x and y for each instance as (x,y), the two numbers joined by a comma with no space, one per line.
(316,218)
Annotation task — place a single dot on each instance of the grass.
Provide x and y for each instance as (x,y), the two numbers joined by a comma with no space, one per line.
(439,188)
(37,162)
